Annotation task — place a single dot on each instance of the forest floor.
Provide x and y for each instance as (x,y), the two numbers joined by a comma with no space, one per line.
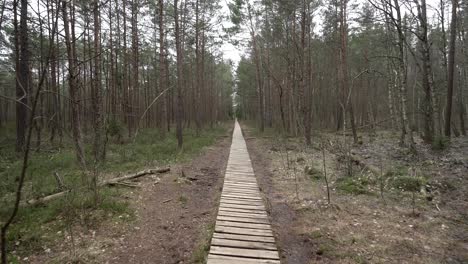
(359,226)
(168,217)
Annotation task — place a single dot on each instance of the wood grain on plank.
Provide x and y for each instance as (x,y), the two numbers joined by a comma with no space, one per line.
(243,231)
(242,244)
(242,219)
(243,225)
(263,239)
(240,252)
(217,259)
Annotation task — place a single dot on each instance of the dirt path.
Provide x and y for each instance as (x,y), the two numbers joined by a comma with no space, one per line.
(175,216)
(294,246)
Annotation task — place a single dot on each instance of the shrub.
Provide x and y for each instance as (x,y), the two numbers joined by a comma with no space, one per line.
(408,183)
(440,143)
(353,185)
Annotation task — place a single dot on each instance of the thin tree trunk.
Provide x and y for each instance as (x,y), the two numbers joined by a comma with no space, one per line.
(451,68)
(97,88)
(73,83)
(344,69)
(21,39)
(179,76)
(162,72)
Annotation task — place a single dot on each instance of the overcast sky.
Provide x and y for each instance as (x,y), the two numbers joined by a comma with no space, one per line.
(234,53)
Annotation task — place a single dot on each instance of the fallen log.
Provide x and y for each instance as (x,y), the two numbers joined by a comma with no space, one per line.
(45,198)
(113,181)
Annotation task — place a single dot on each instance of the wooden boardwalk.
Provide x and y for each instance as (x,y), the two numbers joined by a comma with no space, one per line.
(243,233)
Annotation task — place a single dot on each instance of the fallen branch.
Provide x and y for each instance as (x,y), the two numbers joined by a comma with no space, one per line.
(45,199)
(104,183)
(126,184)
(134,176)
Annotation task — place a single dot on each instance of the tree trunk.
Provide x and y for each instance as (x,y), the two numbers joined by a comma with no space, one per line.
(73,83)
(23,72)
(162,73)
(451,67)
(258,77)
(98,147)
(344,69)
(179,77)
(427,78)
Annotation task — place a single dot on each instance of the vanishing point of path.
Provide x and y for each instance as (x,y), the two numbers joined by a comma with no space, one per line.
(243,233)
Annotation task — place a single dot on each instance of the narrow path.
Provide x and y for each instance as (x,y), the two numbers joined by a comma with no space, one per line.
(243,232)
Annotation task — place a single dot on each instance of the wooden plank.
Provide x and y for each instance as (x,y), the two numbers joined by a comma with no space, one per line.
(241,197)
(240,214)
(263,239)
(218,259)
(235,171)
(243,231)
(242,252)
(242,219)
(230,189)
(251,182)
(237,210)
(241,181)
(242,209)
(255,198)
(244,225)
(242,244)
(239,201)
(240,185)
(242,206)
(241,193)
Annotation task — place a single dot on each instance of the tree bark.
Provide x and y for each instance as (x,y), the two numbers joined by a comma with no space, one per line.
(98,147)
(162,73)
(258,77)
(179,77)
(451,68)
(344,69)
(73,83)
(22,73)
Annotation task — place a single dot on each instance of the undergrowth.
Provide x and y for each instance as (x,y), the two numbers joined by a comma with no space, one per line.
(37,226)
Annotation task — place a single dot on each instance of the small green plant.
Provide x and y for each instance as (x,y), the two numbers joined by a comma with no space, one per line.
(183,200)
(410,184)
(315,234)
(440,143)
(324,249)
(354,185)
(314,173)
(407,183)
(115,128)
